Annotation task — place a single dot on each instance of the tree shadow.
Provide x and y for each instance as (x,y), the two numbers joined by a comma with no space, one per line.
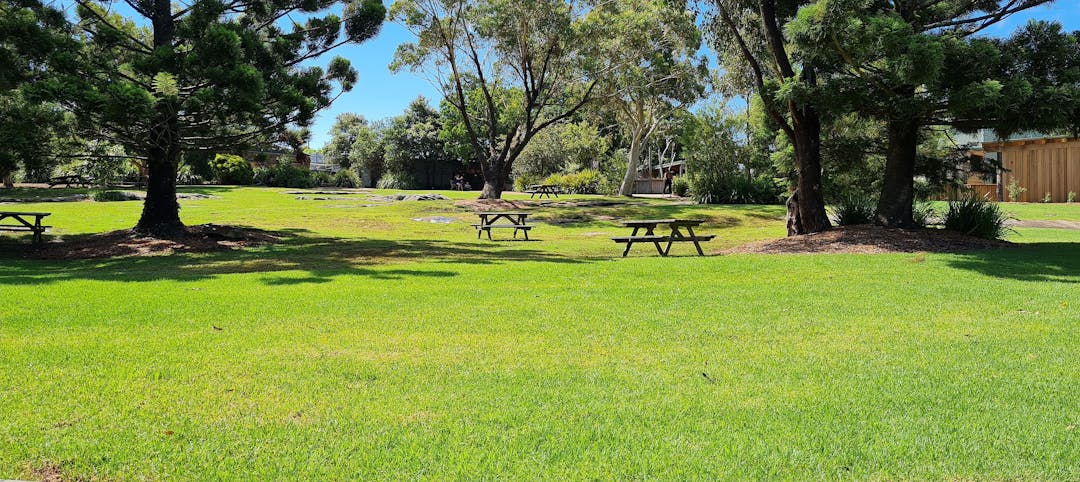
(318,259)
(1054,262)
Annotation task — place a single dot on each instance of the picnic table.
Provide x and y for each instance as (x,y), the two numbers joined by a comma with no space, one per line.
(675,235)
(69,181)
(23,223)
(490,220)
(543,190)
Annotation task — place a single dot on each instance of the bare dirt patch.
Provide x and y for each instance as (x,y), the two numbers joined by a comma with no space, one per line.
(872,240)
(198,239)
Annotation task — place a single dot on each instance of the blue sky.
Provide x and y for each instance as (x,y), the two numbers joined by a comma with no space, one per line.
(380,93)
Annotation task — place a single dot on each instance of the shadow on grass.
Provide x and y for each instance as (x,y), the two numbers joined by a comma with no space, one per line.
(318,259)
(1055,262)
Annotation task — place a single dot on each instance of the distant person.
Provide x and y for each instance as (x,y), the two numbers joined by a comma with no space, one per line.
(668,177)
(458,183)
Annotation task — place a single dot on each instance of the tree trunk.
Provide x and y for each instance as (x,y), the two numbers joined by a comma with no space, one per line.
(811,199)
(9,183)
(494,179)
(161,212)
(898,189)
(627,186)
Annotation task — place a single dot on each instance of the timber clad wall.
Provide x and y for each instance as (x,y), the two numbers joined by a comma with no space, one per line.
(1041,166)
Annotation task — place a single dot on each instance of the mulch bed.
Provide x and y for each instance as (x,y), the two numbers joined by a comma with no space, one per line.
(872,240)
(203,238)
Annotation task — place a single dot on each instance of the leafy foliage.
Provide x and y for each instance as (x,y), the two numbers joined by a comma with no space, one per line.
(232,169)
(396,180)
(586,181)
(346,178)
(977,217)
(854,208)
(284,174)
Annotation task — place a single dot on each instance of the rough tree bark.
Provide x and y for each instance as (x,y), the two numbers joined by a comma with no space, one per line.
(812,215)
(161,212)
(894,207)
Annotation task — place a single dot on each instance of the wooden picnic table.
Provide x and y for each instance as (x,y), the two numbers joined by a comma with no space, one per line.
(543,190)
(68,181)
(674,236)
(23,223)
(490,220)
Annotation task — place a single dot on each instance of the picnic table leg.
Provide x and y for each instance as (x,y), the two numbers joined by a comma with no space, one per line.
(526,232)
(693,236)
(488,229)
(671,240)
(649,232)
(630,242)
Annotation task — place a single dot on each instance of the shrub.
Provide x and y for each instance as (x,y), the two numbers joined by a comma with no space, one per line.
(322,178)
(185,175)
(110,196)
(1071,198)
(977,217)
(232,169)
(524,180)
(1015,190)
(346,178)
(923,213)
(395,180)
(710,189)
(854,208)
(285,174)
(680,186)
(1048,198)
(586,181)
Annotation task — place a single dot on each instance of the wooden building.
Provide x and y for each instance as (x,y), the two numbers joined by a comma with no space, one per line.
(1042,166)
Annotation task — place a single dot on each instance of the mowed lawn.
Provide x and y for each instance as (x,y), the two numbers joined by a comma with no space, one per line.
(371,346)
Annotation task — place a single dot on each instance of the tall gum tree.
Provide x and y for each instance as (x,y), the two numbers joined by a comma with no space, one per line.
(918,64)
(752,33)
(206,75)
(650,49)
(507,68)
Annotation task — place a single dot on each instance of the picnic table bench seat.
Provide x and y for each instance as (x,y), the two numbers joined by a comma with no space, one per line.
(24,224)
(513,220)
(676,234)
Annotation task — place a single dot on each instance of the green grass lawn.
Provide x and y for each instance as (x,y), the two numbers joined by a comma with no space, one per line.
(372,346)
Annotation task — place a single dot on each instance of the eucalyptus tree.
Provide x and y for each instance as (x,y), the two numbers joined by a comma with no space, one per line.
(917,64)
(751,39)
(653,70)
(507,69)
(205,75)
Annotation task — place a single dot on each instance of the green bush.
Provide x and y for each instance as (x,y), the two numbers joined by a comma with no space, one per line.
(322,178)
(586,181)
(346,178)
(232,169)
(923,213)
(524,180)
(977,217)
(854,208)
(680,186)
(711,189)
(285,174)
(185,175)
(395,180)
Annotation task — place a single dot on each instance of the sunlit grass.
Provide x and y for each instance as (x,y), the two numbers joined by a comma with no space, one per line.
(371,346)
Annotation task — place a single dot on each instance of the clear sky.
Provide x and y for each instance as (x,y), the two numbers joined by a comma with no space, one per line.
(380,93)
